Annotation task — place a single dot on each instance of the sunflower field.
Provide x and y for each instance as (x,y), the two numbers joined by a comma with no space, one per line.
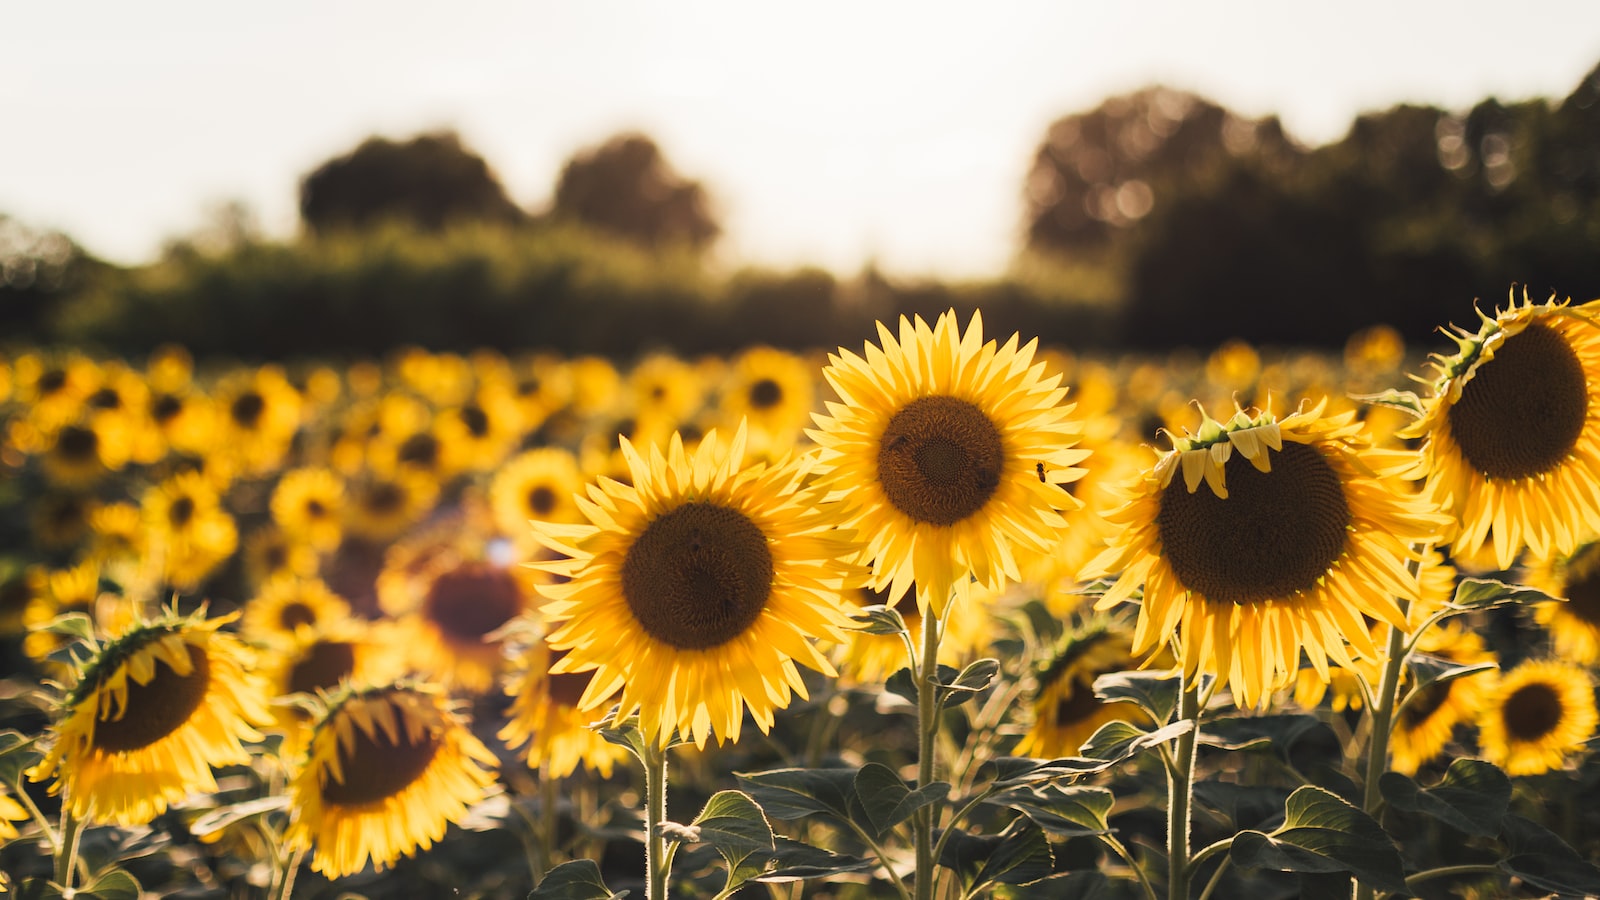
(933,614)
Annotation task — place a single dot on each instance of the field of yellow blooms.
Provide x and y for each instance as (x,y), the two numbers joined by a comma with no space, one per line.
(934,614)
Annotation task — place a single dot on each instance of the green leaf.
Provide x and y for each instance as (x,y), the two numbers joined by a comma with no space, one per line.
(1407,401)
(1061,811)
(879,620)
(18,753)
(794,861)
(887,800)
(112,884)
(1245,805)
(1119,740)
(1322,833)
(1278,733)
(1086,885)
(1018,855)
(797,793)
(223,816)
(1543,860)
(903,683)
(1472,797)
(735,825)
(576,880)
(972,680)
(1482,593)
(1152,692)
(1429,670)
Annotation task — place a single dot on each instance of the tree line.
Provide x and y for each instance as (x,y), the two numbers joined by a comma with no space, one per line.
(1157,219)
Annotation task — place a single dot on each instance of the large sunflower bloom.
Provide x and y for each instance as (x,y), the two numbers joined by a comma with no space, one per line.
(943,452)
(387,770)
(697,589)
(151,713)
(1513,434)
(1277,538)
(1542,712)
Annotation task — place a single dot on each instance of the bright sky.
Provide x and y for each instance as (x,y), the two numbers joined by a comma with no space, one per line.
(829,132)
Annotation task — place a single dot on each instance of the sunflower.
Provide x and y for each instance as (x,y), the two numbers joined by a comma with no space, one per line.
(387,770)
(774,390)
(1065,710)
(152,711)
(321,659)
(287,606)
(452,632)
(696,589)
(59,519)
(1512,445)
(1574,625)
(269,554)
(480,433)
(258,416)
(307,504)
(942,452)
(1427,722)
(188,527)
(1542,712)
(82,452)
(1291,540)
(545,717)
(10,811)
(382,507)
(542,483)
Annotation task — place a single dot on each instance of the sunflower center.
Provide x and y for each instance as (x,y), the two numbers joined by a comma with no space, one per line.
(77,443)
(294,614)
(385,498)
(376,768)
(1276,534)
(1521,412)
(698,576)
(1431,699)
(180,512)
(421,449)
(476,420)
(765,394)
(247,409)
(469,602)
(542,500)
(166,407)
(1079,706)
(940,460)
(315,509)
(105,398)
(1532,712)
(1583,597)
(322,666)
(157,708)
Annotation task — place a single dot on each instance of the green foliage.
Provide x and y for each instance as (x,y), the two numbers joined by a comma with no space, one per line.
(1322,833)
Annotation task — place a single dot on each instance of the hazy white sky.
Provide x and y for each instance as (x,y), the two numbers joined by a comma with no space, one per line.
(828,132)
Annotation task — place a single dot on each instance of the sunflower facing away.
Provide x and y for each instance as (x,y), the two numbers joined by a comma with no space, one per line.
(1065,710)
(1512,433)
(943,452)
(1278,537)
(387,770)
(1542,712)
(697,589)
(1427,721)
(152,711)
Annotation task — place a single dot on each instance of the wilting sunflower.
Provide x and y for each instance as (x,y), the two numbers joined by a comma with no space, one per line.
(546,722)
(307,504)
(1427,722)
(1277,538)
(1065,710)
(696,589)
(1512,432)
(942,452)
(1542,712)
(1574,625)
(386,771)
(151,712)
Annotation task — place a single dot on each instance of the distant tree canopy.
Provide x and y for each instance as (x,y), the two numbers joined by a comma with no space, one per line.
(39,270)
(1222,226)
(626,188)
(428,182)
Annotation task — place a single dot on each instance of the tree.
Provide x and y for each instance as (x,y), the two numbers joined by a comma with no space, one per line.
(626,188)
(429,181)
(39,271)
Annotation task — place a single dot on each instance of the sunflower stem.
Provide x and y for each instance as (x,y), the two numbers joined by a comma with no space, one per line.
(1180,779)
(39,817)
(927,733)
(549,799)
(1383,710)
(290,867)
(656,861)
(67,858)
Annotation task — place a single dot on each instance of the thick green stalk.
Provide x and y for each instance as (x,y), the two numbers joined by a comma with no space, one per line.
(656,861)
(1180,782)
(928,733)
(67,857)
(1382,722)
